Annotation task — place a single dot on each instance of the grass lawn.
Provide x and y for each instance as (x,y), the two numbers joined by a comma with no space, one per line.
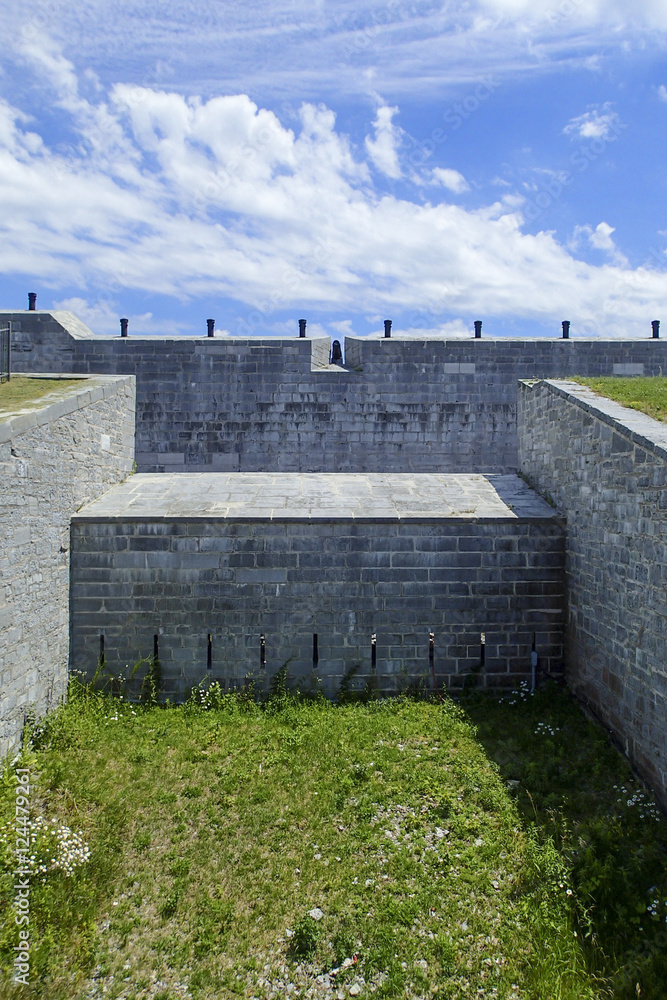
(304,849)
(22,392)
(646,394)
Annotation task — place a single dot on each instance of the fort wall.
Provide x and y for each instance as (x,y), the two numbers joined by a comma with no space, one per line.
(393,595)
(53,458)
(276,404)
(605,466)
(359,579)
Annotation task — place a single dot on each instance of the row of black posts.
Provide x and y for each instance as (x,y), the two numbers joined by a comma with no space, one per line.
(655,326)
(210,324)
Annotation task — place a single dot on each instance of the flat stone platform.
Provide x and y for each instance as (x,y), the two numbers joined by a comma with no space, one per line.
(362,497)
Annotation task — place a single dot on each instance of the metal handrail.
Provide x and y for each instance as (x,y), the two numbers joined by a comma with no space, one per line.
(5,352)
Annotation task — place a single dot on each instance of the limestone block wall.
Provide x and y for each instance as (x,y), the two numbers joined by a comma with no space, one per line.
(53,458)
(605,466)
(253,404)
(209,590)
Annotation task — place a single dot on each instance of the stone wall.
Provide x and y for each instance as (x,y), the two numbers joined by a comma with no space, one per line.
(288,578)
(605,466)
(53,458)
(435,405)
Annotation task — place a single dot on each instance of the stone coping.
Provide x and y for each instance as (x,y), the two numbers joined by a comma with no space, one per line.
(54,405)
(466,338)
(645,431)
(358,497)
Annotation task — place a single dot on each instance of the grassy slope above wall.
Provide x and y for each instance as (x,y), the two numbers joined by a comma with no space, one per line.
(22,392)
(646,394)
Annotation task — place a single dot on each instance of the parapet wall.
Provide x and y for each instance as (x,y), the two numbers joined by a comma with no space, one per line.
(249,405)
(53,458)
(229,578)
(605,466)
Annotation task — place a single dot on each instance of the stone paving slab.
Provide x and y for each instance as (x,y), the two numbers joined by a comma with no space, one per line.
(315,496)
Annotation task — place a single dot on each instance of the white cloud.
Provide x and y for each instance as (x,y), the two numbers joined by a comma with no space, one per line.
(599,238)
(343,327)
(383,149)
(451,179)
(597,123)
(662,92)
(220,198)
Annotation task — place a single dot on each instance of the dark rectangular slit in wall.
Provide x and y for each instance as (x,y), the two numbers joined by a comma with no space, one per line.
(316,655)
(262,651)
(482,649)
(156,651)
(374,650)
(209,653)
(431,648)
(102,652)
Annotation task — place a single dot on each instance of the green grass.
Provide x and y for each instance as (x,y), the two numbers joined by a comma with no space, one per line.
(22,391)
(646,394)
(214,830)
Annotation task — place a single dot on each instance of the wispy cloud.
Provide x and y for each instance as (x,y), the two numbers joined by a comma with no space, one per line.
(288,48)
(600,238)
(596,123)
(383,149)
(451,179)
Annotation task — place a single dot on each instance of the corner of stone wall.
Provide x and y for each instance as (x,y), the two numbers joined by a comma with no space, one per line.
(44,341)
(606,467)
(52,459)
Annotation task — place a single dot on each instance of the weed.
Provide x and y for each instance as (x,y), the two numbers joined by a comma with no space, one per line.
(306,938)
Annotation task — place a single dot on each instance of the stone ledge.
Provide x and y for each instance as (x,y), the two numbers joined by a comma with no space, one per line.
(96,388)
(321,497)
(645,431)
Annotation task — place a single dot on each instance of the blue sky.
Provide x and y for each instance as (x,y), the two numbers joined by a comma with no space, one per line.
(432,163)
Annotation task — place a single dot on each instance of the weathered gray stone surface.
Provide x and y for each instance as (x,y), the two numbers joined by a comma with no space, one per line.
(266,496)
(269,404)
(343,557)
(55,455)
(605,466)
